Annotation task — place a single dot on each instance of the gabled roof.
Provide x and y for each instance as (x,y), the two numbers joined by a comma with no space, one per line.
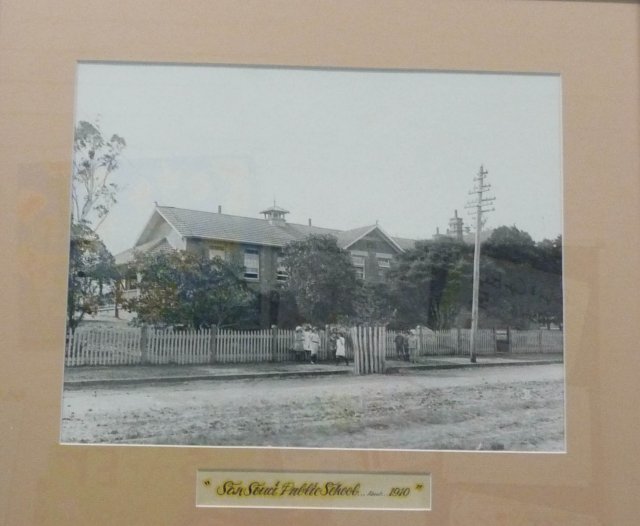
(350,237)
(152,247)
(347,238)
(301,231)
(248,230)
(225,227)
(405,243)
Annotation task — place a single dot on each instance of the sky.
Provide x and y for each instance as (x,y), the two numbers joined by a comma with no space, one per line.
(345,148)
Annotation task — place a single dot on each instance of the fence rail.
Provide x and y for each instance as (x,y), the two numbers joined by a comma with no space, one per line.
(94,346)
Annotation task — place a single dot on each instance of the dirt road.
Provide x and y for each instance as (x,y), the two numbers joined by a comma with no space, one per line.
(510,408)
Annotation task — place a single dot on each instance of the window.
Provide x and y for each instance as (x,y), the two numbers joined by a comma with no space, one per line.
(251,263)
(217,251)
(358,263)
(384,264)
(281,270)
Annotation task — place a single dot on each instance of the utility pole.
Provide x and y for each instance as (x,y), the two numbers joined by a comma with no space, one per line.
(480,204)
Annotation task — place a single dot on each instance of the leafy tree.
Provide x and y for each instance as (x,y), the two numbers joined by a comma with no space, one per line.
(372,305)
(190,289)
(92,273)
(322,280)
(455,295)
(508,243)
(94,160)
(550,262)
(507,292)
(521,281)
(430,283)
(90,267)
(284,309)
(549,253)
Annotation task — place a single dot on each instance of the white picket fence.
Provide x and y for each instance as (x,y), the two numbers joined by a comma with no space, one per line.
(457,342)
(176,347)
(253,346)
(537,341)
(104,346)
(129,346)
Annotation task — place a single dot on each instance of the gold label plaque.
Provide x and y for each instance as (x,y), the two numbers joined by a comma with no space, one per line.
(273,489)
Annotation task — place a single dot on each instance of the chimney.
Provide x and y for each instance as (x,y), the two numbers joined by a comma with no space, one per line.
(219,209)
(309,221)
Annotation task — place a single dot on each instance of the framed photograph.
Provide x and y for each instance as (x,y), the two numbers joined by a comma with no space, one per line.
(330,263)
(309,333)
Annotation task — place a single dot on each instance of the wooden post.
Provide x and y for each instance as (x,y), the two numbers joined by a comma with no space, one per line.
(364,341)
(458,341)
(382,341)
(369,349)
(144,344)
(376,349)
(540,341)
(355,337)
(372,349)
(354,348)
(213,344)
(508,339)
(274,343)
(324,343)
(68,350)
(379,350)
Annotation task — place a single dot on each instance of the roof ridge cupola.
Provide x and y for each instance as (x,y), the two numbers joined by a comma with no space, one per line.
(275,214)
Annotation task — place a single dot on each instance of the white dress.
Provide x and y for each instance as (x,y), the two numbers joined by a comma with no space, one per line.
(315,343)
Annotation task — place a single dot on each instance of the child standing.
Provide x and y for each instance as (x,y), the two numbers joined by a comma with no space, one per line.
(341,350)
(315,345)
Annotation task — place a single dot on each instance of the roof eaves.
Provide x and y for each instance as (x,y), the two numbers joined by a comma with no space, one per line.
(171,224)
(331,231)
(371,229)
(128,255)
(359,237)
(144,228)
(389,238)
(243,241)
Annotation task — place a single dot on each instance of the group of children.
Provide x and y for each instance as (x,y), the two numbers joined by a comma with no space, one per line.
(407,345)
(307,344)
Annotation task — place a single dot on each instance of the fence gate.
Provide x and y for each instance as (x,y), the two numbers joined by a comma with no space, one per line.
(369,349)
(503,340)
